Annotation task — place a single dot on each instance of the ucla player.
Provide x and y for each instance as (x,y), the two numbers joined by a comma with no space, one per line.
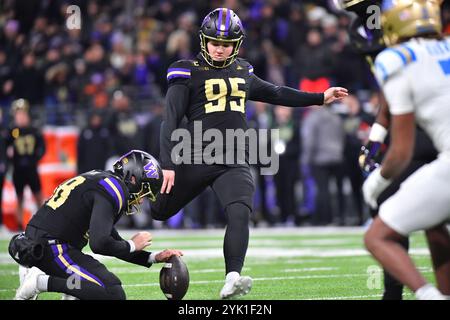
(414,73)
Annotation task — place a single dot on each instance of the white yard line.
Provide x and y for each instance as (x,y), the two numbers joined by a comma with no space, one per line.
(306,277)
(310,269)
(284,231)
(266,253)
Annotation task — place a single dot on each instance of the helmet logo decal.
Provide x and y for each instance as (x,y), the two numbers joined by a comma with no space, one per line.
(151,171)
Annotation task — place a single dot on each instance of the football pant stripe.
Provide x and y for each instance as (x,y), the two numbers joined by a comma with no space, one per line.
(61,259)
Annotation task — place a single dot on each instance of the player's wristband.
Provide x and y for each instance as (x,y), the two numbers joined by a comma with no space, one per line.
(132,246)
(152,257)
(378,133)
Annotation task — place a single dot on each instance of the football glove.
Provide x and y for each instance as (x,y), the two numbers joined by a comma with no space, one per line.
(374,185)
(370,156)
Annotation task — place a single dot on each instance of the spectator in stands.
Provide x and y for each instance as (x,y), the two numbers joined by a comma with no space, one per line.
(152,129)
(323,151)
(6,87)
(288,149)
(3,165)
(123,126)
(94,144)
(29,81)
(356,127)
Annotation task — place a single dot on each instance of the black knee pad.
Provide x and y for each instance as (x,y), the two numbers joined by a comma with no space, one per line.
(116,292)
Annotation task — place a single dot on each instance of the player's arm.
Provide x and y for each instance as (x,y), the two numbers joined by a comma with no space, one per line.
(177,101)
(267,92)
(370,154)
(401,148)
(142,258)
(103,240)
(402,129)
(395,82)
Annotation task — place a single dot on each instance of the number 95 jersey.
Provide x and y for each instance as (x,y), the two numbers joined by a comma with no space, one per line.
(217,96)
(67,214)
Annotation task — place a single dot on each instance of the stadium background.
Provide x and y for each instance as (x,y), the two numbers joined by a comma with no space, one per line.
(114,70)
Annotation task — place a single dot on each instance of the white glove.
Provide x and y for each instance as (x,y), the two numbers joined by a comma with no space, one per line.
(374,186)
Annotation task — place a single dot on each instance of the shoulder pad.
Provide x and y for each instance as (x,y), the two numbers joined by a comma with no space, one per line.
(180,69)
(245,64)
(392,60)
(114,188)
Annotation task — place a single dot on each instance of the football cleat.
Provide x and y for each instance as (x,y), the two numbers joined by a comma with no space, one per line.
(68,297)
(236,287)
(28,289)
(23,271)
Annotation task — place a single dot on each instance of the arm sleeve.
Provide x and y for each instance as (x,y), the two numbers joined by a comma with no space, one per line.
(137,257)
(177,100)
(264,91)
(105,240)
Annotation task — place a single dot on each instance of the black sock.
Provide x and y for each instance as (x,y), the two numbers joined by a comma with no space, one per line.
(393,289)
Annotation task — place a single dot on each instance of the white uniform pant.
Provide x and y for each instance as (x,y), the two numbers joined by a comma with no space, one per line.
(423,200)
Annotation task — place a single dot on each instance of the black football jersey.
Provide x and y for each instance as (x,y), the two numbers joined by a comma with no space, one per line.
(28,145)
(67,214)
(216,99)
(217,96)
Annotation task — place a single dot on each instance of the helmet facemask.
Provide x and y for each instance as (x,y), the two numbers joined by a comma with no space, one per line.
(209,59)
(136,199)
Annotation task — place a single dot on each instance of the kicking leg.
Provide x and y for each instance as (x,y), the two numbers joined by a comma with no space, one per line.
(190,181)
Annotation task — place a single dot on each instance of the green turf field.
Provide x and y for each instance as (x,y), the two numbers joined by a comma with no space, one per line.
(286,264)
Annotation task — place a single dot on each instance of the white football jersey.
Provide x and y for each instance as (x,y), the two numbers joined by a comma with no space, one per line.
(415,77)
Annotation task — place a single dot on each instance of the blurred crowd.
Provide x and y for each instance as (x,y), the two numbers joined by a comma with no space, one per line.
(109,79)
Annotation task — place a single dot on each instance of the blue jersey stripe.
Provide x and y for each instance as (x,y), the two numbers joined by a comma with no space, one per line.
(118,186)
(411,52)
(383,71)
(178,69)
(111,192)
